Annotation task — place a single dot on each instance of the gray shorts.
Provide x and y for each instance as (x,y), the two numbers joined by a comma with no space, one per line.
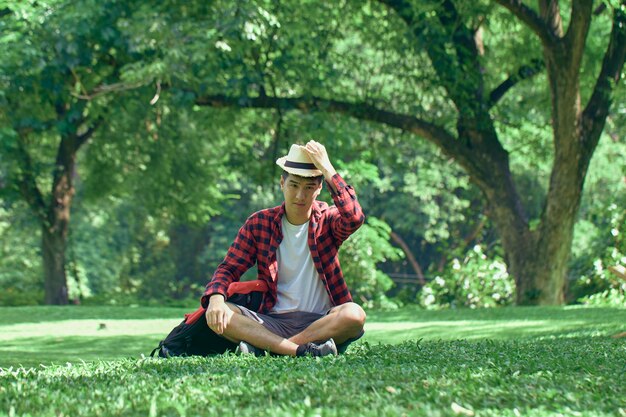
(290,324)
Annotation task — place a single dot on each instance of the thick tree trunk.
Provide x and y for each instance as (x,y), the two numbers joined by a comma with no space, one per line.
(537,260)
(545,276)
(540,270)
(54,234)
(55,229)
(53,245)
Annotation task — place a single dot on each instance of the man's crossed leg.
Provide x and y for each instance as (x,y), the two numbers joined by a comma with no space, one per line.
(292,334)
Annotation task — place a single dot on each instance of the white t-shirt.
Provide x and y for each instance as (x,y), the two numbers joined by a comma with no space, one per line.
(300,287)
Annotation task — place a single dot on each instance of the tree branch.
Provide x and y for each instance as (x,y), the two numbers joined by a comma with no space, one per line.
(469,72)
(550,13)
(362,111)
(82,139)
(531,19)
(460,72)
(579,27)
(600,9)
(524,72)
(467,240)
(109,88)
(409,256)
(445,67)
(597,109)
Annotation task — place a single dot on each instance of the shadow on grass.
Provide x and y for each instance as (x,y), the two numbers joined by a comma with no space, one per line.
(396,332)
(568,313)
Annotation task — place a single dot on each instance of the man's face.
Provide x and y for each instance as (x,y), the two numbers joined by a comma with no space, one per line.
(299,192)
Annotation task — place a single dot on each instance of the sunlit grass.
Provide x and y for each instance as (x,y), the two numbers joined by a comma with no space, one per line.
(33,335)
(505,362)
(575,376)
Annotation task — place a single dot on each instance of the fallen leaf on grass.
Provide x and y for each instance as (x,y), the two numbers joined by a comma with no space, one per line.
(461,410)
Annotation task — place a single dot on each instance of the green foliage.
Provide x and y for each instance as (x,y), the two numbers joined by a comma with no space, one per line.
(562,372)
(475,281)
(20,263)
(599,235)
(440,197)
(360,256)
(609,289)
(158,161)
(137,266)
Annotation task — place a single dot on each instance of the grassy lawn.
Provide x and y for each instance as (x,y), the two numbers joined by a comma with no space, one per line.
(499,362)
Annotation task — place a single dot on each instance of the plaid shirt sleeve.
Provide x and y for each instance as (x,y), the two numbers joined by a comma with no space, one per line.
(240,257)
(351,215)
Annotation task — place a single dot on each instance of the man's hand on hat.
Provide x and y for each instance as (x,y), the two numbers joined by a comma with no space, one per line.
(319,156)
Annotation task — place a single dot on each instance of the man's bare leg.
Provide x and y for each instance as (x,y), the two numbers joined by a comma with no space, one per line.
(343,322)
(242,328)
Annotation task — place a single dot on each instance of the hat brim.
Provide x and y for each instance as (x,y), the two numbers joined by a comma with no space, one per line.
(298,171)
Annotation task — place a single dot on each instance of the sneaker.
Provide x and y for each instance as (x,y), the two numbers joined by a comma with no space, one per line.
(246,348)
(324,349)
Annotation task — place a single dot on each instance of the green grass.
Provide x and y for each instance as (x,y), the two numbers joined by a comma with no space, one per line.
(502,362)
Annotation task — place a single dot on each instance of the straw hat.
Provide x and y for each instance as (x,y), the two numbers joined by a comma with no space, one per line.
(297,162)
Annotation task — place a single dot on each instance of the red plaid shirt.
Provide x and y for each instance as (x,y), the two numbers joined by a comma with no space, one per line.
(258,240)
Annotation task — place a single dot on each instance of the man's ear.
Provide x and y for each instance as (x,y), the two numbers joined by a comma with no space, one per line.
(282,182)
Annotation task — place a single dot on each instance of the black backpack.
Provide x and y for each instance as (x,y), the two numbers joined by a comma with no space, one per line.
(193,337)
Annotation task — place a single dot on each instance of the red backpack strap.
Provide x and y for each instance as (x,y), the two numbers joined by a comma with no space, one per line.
(246,287)
(191,318)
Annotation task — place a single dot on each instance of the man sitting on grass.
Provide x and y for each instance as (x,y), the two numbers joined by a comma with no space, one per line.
(308,309)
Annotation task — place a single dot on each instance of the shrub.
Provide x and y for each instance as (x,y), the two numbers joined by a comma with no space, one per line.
(475,281)
(360,255)
(603,286)
(21,273)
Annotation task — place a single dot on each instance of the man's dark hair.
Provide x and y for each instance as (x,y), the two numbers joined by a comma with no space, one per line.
(317,179)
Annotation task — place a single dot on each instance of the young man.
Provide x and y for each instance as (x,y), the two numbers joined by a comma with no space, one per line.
(308,308)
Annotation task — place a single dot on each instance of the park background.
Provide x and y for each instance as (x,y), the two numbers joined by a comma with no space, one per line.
(485,141)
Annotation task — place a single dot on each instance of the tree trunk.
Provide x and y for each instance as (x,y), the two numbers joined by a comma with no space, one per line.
(537,259)
(55,228)
(540,268)
(53,245)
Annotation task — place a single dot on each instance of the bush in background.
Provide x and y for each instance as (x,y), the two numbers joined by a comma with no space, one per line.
(474,281)
(360,255)
(21,280)
(599,285)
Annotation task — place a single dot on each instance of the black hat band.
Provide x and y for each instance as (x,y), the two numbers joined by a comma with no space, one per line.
(300,165)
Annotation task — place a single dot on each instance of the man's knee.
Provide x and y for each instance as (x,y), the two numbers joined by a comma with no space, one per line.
(352,315)
(233,307)
(234,324)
